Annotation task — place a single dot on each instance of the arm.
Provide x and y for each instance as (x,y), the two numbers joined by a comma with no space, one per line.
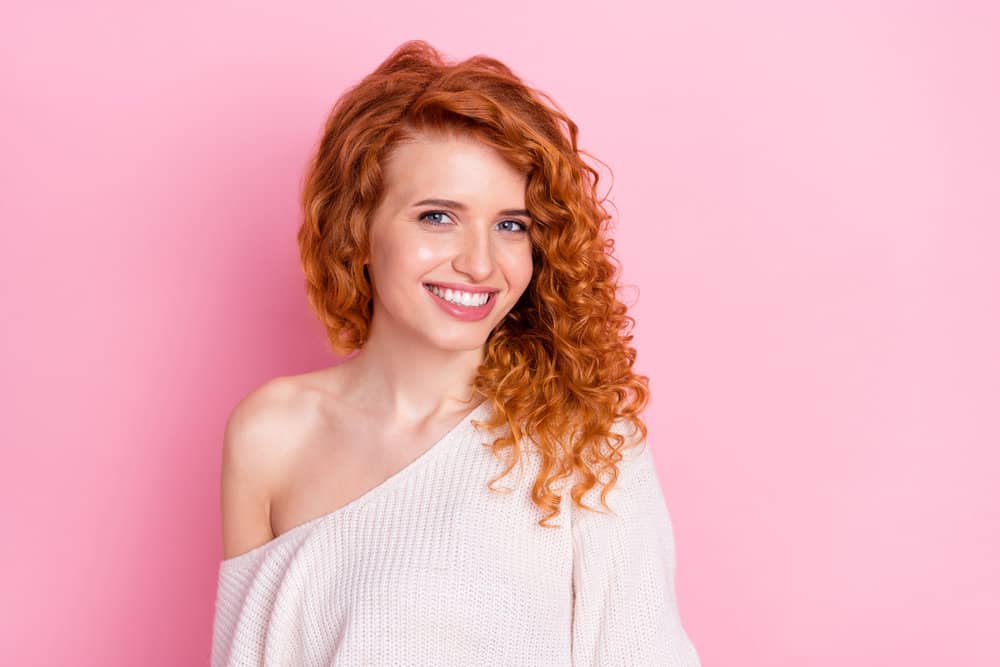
(252,464)
(625,609)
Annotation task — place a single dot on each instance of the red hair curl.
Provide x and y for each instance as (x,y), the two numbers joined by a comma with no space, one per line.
(558,368)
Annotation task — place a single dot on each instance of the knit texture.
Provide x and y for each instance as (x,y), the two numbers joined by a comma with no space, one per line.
(430,567)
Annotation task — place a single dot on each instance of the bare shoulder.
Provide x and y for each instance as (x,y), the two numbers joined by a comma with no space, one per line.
(259,442)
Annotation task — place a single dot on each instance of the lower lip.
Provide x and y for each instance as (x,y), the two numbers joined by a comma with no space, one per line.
(466,313)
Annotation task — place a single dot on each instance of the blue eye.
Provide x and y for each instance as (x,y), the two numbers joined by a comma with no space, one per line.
(424,217)
(523,228)
(432,213)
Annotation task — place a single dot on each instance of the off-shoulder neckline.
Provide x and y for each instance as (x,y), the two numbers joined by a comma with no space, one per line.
(410,468)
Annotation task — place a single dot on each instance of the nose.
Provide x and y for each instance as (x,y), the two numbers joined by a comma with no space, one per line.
(474,257)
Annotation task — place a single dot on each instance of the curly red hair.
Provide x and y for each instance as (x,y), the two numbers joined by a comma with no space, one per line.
(558,368)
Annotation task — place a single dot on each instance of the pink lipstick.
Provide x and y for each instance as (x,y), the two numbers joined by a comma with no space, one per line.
(457,310)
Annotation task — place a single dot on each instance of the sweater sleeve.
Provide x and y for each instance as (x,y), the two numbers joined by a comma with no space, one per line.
(624,604)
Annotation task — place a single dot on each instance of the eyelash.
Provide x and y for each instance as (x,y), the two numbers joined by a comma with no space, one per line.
(524,227)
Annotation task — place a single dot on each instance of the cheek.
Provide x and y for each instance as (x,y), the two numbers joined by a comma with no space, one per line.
(412,252)
(427,253)
(518,265)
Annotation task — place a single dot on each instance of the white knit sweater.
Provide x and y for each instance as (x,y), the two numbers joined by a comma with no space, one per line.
(432,568)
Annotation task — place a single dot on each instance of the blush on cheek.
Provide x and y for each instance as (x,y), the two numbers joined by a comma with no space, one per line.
(427,253)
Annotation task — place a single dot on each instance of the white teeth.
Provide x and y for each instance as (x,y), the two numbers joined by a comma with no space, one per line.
(466,299)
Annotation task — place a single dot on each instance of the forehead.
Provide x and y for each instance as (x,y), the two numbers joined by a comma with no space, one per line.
(451,167)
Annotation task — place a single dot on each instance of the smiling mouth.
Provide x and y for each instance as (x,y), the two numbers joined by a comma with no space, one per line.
(476,297)
(445,287)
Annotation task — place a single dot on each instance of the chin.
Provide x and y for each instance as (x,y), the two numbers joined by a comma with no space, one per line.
(461,343)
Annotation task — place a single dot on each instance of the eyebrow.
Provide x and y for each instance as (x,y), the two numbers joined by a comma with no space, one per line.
(450,203)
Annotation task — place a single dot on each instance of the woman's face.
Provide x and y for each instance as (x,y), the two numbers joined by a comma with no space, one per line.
(474,236)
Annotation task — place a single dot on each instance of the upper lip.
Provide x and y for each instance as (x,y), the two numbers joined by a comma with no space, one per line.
(464,288)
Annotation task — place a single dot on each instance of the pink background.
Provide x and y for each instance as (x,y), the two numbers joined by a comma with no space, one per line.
(808,204)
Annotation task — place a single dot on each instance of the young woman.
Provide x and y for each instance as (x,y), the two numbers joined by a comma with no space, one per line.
(453,240)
